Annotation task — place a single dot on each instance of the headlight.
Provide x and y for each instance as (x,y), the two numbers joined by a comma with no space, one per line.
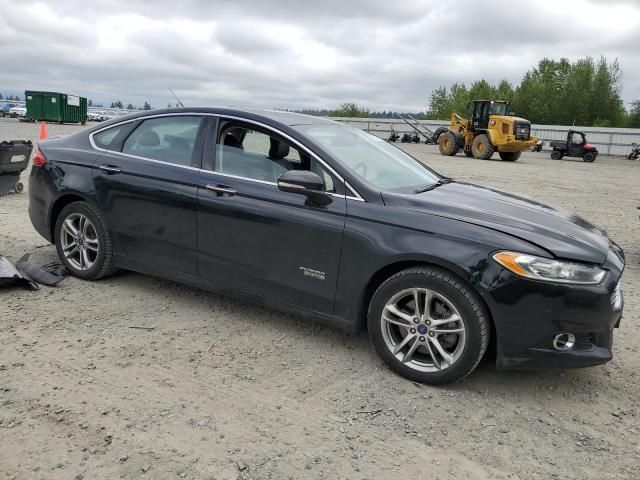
(550,270)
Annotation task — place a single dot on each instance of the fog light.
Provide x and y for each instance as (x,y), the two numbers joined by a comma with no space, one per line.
(564,341)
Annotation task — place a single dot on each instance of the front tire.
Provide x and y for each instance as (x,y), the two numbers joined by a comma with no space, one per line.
(448,144)
(482,147)
(83,242)
(588,157)
(509,156)
(442,340)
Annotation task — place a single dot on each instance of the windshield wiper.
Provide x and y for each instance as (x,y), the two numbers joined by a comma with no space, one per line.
(441,181)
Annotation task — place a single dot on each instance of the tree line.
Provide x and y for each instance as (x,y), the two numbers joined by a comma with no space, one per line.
(584,92)
(353,110)
(10,97)
(119,104)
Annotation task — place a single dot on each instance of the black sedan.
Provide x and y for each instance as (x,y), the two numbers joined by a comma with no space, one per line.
(315,217)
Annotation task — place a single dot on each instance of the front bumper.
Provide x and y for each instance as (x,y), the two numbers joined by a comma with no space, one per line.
(513,145)
(528,314)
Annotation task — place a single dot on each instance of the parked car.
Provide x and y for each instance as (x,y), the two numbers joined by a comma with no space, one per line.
(327,221)
(4,108)
(95,116)
(19,112)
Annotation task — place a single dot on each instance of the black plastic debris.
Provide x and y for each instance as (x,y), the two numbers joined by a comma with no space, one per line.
(28,275)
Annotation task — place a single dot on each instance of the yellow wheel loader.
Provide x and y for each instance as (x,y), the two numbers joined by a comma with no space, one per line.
(491,129)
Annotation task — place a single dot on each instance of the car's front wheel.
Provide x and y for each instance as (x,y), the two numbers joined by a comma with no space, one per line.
(83,242)
(428,325)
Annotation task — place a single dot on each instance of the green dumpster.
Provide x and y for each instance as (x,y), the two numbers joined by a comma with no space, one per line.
(55,107)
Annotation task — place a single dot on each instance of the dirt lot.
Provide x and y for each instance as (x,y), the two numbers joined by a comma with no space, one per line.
(215,388)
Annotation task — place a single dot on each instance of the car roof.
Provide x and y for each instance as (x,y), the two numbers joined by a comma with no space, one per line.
(281,117)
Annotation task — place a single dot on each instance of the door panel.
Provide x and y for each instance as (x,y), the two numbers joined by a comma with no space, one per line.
(150,210)
(268,242)
(149,198)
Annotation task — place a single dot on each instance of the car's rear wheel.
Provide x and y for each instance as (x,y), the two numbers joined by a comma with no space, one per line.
(556,155)
(428,325)
(83,242)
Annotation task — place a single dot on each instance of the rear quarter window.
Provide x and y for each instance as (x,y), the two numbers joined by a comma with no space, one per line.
(104,138)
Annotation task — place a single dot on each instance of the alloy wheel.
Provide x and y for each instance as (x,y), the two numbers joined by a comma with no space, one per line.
(423,329)
(79,241)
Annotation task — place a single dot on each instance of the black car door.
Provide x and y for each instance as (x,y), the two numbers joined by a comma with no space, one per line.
(256,238)
(145,182)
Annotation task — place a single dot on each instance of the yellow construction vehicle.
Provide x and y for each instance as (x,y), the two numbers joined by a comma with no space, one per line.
(491,129)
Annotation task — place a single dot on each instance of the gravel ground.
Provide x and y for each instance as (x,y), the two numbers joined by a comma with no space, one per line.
(215,388)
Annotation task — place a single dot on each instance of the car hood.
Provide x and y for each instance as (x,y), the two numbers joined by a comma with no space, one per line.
(560,232)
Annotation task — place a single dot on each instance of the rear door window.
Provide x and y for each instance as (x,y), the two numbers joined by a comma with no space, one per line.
(167,139)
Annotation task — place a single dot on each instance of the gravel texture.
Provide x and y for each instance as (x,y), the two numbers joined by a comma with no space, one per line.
(215,388)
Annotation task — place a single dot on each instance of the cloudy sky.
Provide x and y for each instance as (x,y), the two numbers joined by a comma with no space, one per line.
(294,54)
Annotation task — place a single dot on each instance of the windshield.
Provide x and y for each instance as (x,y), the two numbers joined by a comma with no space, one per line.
(380,164)
(499,108)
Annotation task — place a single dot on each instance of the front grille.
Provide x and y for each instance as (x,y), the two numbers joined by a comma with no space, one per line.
(522,130)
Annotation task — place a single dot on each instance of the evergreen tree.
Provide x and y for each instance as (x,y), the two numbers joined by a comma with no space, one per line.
(554,92)
(350,110)
(634,114)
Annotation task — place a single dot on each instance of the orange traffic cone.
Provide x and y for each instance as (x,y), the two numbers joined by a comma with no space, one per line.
(43,130)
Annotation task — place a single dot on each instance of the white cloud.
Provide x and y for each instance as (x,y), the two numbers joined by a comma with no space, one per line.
(283,53)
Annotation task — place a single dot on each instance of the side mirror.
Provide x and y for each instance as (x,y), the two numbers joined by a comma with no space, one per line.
(305,183)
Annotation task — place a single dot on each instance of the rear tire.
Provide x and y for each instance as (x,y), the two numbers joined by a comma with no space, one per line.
(18,187)
(448,144)
(588,157)
(556,155)
(96,242)
(439,131)
(482,147)
(453,306)
(509,156)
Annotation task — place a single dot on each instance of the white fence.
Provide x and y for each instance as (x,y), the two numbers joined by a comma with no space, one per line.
(608,141)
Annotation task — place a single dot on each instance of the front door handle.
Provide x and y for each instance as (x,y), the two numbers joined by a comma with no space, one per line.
(222,190)
(110,169)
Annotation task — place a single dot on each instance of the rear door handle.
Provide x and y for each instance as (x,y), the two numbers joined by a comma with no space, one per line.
(110,169)
(222,190)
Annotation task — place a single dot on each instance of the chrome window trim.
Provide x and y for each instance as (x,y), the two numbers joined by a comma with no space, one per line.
(355,196)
